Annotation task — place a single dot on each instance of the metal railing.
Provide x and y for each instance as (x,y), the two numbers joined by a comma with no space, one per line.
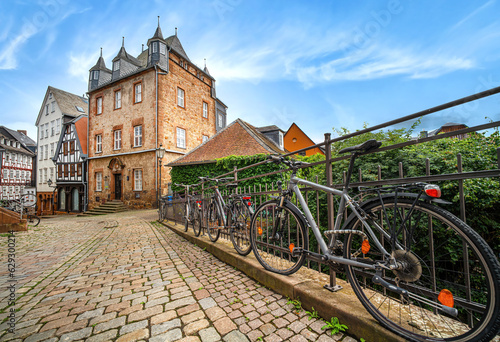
(260,194)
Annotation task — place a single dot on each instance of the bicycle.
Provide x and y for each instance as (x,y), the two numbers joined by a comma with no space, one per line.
(25,206)
(406,259)
(234,215)
(192,211)
(162,209)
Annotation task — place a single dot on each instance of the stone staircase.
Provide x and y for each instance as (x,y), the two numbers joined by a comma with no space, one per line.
(10,220)
(110,207)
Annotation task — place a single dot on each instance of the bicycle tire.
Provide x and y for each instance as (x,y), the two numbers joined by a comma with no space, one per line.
(276,256)
(431,242)
(240,228)
(213,222)
(196,221)
(187,216)
(33,220)
(29,200)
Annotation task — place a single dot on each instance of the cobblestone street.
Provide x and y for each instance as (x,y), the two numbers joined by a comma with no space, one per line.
(123,277)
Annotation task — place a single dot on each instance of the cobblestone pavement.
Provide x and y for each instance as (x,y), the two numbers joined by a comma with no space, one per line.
(122,277)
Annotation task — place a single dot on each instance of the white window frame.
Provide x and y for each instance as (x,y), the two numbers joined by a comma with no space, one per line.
(205,110)
(138,92)
(98,143)
(58,126)
(53,106)
(280,138)
(47,151)
(181,97)
(52,128)
(181,137)
(163,48)
(99,105)
(138,136)
(47,109)
(221,121)
(118,139)
(40,152)
(118,99)
(116,65)
(98,181)
(47,130)
(137,179)
(52,149)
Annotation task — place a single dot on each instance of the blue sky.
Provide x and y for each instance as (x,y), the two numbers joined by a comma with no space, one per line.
(320,64)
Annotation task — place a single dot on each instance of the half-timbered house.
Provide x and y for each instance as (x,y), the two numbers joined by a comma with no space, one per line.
(70,159)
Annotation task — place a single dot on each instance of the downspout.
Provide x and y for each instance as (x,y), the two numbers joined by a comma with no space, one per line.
(156,130)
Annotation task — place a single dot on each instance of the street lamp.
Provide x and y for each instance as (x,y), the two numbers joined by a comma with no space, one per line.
(160,152)
(49,183)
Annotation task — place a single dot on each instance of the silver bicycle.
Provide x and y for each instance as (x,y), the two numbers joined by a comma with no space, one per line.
(418,269)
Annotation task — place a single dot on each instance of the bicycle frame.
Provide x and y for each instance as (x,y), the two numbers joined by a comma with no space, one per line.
(220,206)
(345,200)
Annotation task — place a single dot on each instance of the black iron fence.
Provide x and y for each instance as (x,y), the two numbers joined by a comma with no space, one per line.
(261,192)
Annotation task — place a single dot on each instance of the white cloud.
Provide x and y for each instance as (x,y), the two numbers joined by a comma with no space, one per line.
(8,54)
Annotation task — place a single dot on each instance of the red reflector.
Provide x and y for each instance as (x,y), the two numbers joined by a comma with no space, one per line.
(199,202)
(432,190)
(249,203)
(247,198)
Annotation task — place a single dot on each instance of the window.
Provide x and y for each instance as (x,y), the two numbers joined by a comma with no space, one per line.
(118,99)
(80,109)
(46,109)
(52,128)
(47,151)
(99,105)
(281,139)
(204,138)
(72,146)
(154,47)
(138,92)
(181,137)
(58,126)
(205,110)
(53,106)
(51,173)
(98,143)
(51,149)
(50,96)
(137,136)
(40,152)
(163,48)
(221,121)
(98,181)
(137,180)
(116,65)
(45,175)
(47,130)
(180,97)
(40,134)
(94,75)
(118,139)
(40,172)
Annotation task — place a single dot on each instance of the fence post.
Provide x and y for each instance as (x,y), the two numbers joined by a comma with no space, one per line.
(329,201)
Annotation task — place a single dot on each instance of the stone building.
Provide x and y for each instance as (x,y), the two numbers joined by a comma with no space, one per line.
(58,107)
(157,100)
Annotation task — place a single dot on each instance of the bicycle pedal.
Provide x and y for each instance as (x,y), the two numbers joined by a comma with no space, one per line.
(297,251)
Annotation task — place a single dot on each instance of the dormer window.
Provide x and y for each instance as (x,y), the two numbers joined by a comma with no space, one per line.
(50,95)
(116,65)
(95,75)
(154,47)
(163,48)
(80,109)
(281,139)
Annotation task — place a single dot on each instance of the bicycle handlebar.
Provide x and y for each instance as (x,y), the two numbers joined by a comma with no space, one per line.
(225,179)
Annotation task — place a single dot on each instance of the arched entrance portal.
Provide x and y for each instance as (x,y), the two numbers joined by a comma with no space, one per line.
(117,167)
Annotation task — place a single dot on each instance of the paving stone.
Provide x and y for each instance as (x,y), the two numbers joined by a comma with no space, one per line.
(114,323)
(163,327)
(58,323)
(105,336)
(134,336)
(207,303)
(209,335)
(172,335)
(194,327)
(40,336)
(76,335)
(180,303)
(163,317)
(215,313)
(91,314)
(133,327)
(224,325)
(235,336)
(72,327)
(194,316)
(140,315)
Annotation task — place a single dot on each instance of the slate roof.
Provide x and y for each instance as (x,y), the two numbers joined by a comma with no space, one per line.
(100,65)
(270,129)
(238,138)
(122,54)
(7,133)
(67,102)
(176,45)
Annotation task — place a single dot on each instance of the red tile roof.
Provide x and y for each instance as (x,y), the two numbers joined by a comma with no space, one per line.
(239,139)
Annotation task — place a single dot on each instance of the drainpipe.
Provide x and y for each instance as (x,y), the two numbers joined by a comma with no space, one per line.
(156,128)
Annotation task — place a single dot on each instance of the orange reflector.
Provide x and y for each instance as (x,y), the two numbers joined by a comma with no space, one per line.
(291,247)
(259,230)
(446,298)
(365,247)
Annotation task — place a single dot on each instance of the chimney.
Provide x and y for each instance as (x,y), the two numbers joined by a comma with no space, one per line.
(23,131)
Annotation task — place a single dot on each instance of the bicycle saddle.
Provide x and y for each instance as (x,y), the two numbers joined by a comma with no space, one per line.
(368,145)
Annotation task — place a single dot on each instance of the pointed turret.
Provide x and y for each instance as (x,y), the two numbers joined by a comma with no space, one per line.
(157,49)
(123,63)
(99,74)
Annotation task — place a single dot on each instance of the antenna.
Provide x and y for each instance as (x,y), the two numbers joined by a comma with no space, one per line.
(123,41)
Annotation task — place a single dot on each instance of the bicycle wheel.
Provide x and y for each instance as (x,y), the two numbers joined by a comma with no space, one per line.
(33,220)
(187,216)
(275,252)
(213,222)
(196,220)
(439,255)
(240,230)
